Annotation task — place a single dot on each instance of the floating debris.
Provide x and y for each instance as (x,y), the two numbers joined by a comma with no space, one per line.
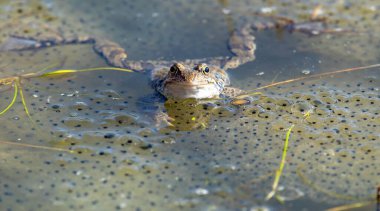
(239,102)
(260,73)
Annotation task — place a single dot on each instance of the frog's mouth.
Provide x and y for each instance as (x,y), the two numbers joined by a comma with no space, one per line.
(191,90)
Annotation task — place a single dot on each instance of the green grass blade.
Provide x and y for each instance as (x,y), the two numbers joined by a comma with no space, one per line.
(282,165)
(68,71)
(23,99)
(105,68)
(58,72)
(13,100)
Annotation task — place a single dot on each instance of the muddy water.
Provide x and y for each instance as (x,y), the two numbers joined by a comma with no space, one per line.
(217,156)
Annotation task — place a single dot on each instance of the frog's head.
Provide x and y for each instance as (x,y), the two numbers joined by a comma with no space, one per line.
(199,81)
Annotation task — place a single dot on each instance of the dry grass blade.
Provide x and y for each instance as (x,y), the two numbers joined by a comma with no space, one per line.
(248,95)
(106,68)
(329,193)
(13,100)
(319,75)
(36,146)
(282,165)
(46,68)
(351,206)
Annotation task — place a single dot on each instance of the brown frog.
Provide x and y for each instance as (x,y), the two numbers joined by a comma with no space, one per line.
(191,78)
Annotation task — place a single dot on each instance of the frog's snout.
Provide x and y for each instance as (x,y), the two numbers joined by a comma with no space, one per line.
(189,76)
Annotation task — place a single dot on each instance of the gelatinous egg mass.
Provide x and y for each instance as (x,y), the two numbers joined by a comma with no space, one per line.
(93,140)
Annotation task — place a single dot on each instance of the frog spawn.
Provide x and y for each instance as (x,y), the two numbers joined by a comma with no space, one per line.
(333,141)
(324,142)
(236,151)
(67,112)
(119,159)
(226,161)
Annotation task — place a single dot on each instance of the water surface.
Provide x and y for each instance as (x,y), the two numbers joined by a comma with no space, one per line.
(218,156)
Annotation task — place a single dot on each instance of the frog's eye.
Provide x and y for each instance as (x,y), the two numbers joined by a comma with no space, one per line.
(173,69)
(205,69)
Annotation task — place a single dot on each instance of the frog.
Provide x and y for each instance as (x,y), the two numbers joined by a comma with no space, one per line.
(241,44)
(189,81)
(191,78)
(173,79)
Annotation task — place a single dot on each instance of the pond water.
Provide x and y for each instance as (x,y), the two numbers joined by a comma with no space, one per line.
(103,150)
